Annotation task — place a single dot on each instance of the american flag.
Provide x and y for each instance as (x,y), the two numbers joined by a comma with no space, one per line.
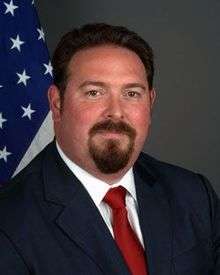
(25,75)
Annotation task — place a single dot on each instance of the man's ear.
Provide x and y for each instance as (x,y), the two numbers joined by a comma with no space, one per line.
(54,102)
(152,97)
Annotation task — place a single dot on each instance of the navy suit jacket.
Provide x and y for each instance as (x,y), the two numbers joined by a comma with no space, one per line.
(49,225)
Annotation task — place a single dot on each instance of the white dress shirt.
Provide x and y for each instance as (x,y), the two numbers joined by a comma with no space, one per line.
(97,190)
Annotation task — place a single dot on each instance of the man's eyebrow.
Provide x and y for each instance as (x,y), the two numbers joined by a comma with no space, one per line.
(94,83)
(135,85)
(103,84)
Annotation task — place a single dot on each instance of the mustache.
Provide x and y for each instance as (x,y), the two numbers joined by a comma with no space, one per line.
(112,126)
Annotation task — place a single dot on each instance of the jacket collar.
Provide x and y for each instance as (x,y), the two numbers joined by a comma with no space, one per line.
(154,215)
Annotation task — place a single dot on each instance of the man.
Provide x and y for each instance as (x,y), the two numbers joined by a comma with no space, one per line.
(91,202)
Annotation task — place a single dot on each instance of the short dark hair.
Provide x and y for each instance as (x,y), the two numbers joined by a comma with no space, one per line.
(91,35)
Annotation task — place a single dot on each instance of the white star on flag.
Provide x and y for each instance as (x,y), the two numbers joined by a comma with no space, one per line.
(10,7)
(4,154)
(23,78)
(27,111)
(2,120)
(41,34)
(49,68)
(16,43)
(32,2)
(1,86)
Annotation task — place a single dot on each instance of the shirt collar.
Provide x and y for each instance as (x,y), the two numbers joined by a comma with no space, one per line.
(97,188)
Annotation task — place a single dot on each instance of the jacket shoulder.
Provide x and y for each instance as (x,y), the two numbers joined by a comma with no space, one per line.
(18,196)
(163,169)
(181,184)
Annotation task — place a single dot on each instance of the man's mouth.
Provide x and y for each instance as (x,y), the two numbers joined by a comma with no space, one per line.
(110,134)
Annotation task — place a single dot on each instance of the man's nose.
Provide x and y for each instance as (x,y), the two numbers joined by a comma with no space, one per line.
(114,108)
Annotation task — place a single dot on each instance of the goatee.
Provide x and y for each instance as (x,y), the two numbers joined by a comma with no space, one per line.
(111,155)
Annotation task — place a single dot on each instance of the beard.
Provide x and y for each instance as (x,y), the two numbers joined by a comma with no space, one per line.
(111,154)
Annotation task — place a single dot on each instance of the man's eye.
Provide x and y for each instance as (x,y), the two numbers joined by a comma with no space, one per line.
(133,94)
(93,93)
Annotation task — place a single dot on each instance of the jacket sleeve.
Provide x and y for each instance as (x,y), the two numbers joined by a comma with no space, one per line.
(215,223)
(11,263)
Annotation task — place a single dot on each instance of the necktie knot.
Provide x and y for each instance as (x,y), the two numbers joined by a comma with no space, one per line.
(115,197)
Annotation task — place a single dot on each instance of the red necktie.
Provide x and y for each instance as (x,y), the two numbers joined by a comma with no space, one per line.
(125,237)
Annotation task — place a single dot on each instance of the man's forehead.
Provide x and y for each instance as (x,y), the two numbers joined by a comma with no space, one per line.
(105,58)
(103,51)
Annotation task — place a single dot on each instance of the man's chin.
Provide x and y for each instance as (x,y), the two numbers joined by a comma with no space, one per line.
(109,165)
(111,158)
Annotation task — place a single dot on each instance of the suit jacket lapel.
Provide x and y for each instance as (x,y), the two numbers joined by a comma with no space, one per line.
(80,219)
(155,218)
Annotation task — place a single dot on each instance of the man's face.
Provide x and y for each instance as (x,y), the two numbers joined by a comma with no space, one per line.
(106,112)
